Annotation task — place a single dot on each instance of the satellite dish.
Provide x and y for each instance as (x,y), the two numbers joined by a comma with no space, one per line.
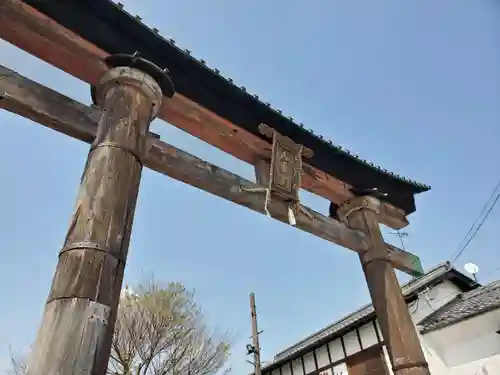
(472,268)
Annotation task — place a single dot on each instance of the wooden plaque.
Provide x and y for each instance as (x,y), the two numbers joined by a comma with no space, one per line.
(286,168)
(286,165)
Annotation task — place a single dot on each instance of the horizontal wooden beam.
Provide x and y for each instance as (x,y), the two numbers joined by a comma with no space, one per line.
(40,36)
(56,111)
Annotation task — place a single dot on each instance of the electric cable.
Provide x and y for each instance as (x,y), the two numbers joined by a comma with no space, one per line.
(474,229)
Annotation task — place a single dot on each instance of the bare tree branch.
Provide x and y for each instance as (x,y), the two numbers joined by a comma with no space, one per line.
(161,330)
(18,366)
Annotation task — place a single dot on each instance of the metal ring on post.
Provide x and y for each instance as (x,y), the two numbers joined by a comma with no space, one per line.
(154,71)
(146,75)
(121,147)
(375,256)
(97,246)
(123,75)
(409,364)
(85,245)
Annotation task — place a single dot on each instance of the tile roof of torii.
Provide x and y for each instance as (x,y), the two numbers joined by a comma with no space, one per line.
(243,89)
(126,33)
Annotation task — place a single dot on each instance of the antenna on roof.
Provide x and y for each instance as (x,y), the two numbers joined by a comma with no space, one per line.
(401,235)
(473,269)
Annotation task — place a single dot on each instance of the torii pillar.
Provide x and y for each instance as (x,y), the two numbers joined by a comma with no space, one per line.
(77,328)
(398,330)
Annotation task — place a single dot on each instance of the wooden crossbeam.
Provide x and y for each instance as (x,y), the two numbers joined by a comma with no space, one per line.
(56,111)
(42,37)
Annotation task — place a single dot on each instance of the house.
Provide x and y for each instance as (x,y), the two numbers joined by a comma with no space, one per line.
(457,319)
(464,334)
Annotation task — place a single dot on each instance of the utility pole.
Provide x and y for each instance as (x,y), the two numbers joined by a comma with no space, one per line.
(255,348)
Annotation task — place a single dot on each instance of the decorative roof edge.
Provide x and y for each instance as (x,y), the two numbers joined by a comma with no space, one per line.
(216,72)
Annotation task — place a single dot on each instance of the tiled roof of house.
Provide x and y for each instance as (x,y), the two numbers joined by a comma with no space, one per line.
(464,306)
(408,289)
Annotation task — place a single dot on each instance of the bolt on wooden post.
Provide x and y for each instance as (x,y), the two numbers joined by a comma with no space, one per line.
(78,323)
(392,312)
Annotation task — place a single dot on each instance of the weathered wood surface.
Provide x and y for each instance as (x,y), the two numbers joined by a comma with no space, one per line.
(45,39)
(262,168)
(369,361)
(86,320)
(395,321)
(56,111)
(78,323)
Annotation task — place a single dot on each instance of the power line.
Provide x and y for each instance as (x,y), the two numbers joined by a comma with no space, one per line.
(485,207)
(460,246)
(474,229)
(477,229)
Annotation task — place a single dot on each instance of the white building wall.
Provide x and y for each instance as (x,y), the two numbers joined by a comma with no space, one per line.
(468,341)
(428,302)
(462,349)
(432,299)
(330,358)
(436,365)
(485,366)
(434,360)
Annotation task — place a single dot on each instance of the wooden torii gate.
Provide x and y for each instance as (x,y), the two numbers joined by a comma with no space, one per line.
(129,90)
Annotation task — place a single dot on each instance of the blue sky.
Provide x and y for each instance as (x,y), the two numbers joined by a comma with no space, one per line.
(412,86)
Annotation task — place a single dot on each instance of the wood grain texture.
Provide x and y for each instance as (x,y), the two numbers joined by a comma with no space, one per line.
(49,41)
(395,321)
(81,309)
(262,168)
(70,338)
(367,362)
(69,117)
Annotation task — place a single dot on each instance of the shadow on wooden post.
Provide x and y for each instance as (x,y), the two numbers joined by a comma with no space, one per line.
(398,330)
(78,323)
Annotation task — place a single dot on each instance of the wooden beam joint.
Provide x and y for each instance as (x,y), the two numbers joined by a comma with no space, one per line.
(58,112)
(395,321)
(284,173)
(55,44)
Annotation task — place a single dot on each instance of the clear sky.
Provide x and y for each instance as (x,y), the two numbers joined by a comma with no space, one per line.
(411,85)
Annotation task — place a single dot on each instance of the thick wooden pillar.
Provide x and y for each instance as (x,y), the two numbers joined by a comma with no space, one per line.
(78,323)
(392,312)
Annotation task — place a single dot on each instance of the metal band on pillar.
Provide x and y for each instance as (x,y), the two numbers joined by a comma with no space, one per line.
(77,329)
(148,74)
(361,213)
(132,70)
(410,364)
(364,203)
